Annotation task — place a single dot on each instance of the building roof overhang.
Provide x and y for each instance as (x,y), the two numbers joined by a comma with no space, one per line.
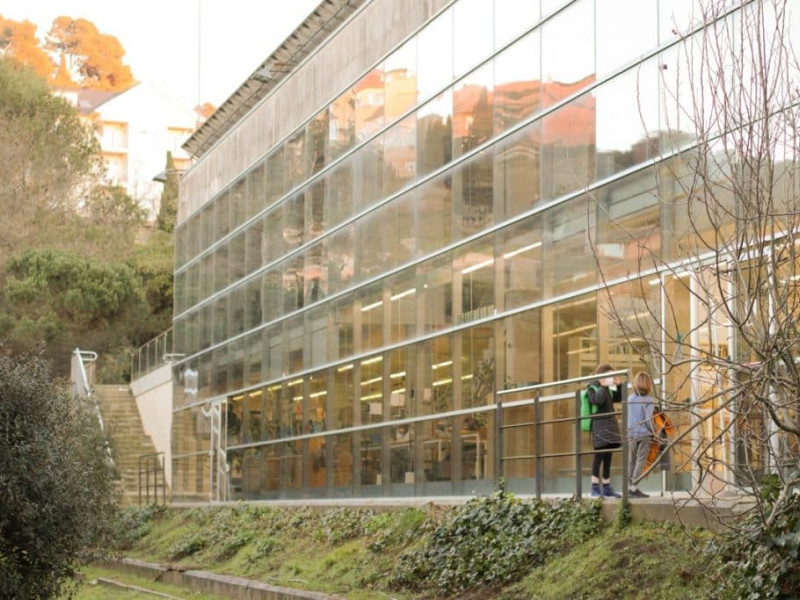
(308,36)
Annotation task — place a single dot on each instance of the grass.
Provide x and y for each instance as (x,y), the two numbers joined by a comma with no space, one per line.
(354,553)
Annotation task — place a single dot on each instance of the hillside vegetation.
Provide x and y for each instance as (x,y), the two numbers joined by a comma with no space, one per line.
(492,547)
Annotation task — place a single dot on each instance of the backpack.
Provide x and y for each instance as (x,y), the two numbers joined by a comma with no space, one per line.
(587,408)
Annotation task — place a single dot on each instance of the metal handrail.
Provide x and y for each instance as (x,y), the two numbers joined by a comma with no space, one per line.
(145,461)
(539,455)
(83,389)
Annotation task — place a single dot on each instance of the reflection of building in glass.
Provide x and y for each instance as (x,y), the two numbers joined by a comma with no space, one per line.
(397,231)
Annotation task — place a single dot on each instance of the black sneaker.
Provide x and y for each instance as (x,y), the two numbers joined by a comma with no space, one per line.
(637,493)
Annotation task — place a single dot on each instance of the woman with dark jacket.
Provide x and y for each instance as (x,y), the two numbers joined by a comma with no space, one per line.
(603,393)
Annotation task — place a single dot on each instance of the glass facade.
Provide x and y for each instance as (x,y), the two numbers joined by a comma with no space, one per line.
(353,301)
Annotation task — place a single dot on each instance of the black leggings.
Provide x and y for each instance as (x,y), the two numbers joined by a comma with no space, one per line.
(605,459)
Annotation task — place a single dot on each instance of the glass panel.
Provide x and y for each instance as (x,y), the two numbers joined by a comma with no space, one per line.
(471,44)
(316,275)
(317,132)
(339,192)
(473,192)
(220,319)
(277,355)
(294,221)
(340,254)
(567,67)
(477,365)
(343,465)
(291,469)
(293,287)
(222,216)
(522,263)
(438,293)
(434,133)
(473,270)
(628,225)
(437,455)
(344,341)
(568,257)
(343,397)
(253,244)
(626,29)
(435,51)
(256,190)
(369,98)
(473,434)
(518,449)
(317,327)
(568,148)
(295,160)
(517,84)
(371,411)
(236,299)
(295,329)
(275,177)
(512,17)
(273,243)
(523,344)
(624,140)
(236,359)
(221,272)
(316,219)
(238,208)
(368,174)
(434,214)
(402,308)
(317,447)
(236,257)
(572,327)
(400,80)
(370,233)
(399,156)
(255,352)
(472,110)
(341,125)
(371,314)
(271,294)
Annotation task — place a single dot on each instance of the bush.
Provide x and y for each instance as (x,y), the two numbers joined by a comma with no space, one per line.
(766,563)
(56,484)
(493,541)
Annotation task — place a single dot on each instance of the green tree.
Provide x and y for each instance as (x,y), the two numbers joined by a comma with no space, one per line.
(48,157)
(168,209)
(64,300)
(56,486)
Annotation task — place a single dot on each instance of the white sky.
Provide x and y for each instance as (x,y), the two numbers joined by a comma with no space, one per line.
(160,37)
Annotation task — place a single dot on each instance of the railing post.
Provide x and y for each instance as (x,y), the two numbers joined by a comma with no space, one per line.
(624,435)
(578,457)
(537,446)
(140,481)
(498,436)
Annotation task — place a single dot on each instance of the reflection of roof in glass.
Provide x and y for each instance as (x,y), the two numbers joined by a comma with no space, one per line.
(314,30)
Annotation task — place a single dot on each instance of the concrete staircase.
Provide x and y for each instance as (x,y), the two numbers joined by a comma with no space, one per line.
(123,425)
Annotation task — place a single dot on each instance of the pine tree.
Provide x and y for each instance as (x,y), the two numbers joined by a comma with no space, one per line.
(167,212)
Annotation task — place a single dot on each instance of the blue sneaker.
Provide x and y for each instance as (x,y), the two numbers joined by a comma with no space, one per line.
(595,491)
(608,492)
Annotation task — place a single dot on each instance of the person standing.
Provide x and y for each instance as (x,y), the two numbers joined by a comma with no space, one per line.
(603,393)
(641,408)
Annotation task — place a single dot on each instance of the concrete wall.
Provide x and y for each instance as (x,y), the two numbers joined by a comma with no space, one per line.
(373,31)
(153,394)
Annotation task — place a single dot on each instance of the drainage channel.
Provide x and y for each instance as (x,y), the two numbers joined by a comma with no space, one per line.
(222,586)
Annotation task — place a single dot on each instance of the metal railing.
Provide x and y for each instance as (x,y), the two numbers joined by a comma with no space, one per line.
(150,467)
(539,455)
(81,380)
(152,355)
